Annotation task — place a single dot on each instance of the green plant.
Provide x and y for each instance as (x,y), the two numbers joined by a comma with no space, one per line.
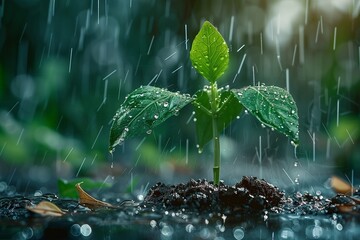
(215,108)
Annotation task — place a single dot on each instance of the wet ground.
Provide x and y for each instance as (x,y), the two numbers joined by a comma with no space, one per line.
(300,215)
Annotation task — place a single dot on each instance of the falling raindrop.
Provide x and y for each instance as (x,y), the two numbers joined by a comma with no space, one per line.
(297,181)
(334,42)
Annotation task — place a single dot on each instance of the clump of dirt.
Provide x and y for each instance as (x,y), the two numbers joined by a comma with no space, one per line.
(249,195)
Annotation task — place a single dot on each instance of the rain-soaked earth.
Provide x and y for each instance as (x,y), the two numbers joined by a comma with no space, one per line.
(250,209)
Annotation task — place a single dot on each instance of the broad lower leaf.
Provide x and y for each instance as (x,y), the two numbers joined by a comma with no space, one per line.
(142,110)
(209,53)
(229,109)
(273,106)
(67,188)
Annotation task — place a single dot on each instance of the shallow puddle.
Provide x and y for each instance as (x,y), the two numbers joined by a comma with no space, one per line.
(149,222)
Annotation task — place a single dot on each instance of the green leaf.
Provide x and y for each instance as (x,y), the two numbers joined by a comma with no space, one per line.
(229,109)
(209,53)
(273,106)
(67,188)
(142,110)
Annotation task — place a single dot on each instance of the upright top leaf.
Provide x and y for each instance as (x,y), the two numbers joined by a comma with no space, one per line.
(209,53)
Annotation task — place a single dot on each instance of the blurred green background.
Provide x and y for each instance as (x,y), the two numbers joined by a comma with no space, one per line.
(65,66)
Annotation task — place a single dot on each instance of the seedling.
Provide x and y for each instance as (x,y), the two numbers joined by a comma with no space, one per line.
(215,108)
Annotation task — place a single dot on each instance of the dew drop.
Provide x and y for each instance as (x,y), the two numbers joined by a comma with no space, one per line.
(263,125)
(195,119)
(246,111)
(156,116)
(238,233)
(153,223)
(167,231)
(296,163)
(189,228)
(149,131)
(293,143)
(166,104)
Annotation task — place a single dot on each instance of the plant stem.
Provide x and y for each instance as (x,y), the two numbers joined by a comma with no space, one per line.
(216,139)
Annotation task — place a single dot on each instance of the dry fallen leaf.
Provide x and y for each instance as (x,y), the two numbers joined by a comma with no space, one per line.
(340,186)
(89,201)
(46,208)
(343,188)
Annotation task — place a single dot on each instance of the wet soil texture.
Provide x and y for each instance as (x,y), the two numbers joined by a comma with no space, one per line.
(250,195)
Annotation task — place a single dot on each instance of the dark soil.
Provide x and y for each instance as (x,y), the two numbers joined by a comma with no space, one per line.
(194,210)
(250,195)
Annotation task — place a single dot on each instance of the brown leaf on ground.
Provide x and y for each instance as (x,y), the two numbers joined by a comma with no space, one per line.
(340,186)
(46,208)
(89,201)
(345,191)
